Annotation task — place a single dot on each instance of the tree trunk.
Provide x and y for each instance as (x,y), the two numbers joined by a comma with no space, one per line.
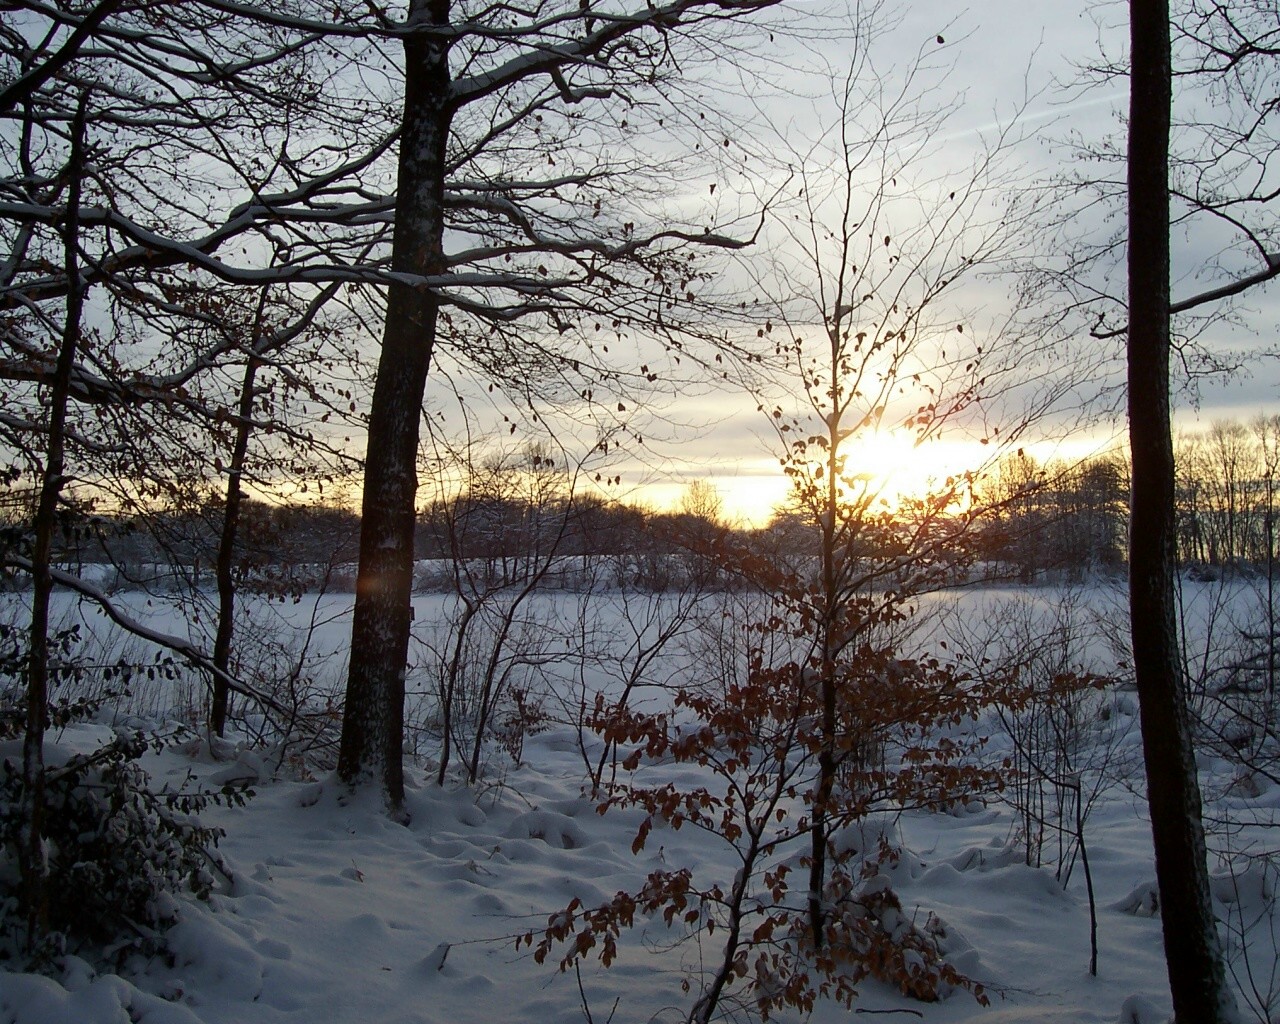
(830,512)
(1196,973)
(373,718)
(227,548)
(32,857)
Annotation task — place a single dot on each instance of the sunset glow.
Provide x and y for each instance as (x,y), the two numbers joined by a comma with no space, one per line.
(893,466)
(889,463)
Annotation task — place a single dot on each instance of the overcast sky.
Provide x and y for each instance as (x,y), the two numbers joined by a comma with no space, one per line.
(1007,55)
(1060,39)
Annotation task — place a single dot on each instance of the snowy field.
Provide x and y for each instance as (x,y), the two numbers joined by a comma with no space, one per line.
(333,913)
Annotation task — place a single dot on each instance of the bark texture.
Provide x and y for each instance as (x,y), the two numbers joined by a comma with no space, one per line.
(1193,952)
(373,719)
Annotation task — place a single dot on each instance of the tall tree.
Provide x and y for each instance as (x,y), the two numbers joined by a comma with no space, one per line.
(125,124)
(505,222)
(877,348)
(1224,204)
(33,857)
(1197,975)
(538,143)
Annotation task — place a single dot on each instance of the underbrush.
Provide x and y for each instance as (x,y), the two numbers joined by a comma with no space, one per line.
(116,852)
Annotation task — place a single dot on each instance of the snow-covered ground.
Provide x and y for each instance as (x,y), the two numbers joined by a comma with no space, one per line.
(337,914)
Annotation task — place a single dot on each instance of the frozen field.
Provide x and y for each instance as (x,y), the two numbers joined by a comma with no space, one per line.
(335,914)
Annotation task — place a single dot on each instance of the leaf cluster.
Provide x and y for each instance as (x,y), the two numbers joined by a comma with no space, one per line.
(902,740)
(117,849)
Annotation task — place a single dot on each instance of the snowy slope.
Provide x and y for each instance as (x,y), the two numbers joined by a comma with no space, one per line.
(337,914)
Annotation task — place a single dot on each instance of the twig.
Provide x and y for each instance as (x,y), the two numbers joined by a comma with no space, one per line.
(184,648)
(582,995)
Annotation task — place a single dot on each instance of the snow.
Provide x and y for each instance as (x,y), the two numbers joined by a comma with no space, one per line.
(337,914)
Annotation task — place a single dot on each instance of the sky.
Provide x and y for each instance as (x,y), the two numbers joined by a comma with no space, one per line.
(1007,58)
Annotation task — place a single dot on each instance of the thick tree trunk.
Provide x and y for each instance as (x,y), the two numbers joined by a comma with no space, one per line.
(1192,950)
(373,718)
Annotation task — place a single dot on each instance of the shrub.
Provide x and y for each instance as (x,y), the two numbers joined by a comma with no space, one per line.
(117,852)
(904,740)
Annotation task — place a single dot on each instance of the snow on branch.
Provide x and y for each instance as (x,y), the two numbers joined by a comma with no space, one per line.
(184,648)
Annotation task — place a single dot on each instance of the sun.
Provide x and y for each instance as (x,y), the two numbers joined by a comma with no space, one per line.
(893,466)
(889,466)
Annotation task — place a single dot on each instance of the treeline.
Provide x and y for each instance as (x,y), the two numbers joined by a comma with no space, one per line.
(1073,517)
(303,546)
(1059,517)
(1056,518)
(1227,481)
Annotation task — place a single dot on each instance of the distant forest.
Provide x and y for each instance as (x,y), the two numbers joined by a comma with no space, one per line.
(1033,521)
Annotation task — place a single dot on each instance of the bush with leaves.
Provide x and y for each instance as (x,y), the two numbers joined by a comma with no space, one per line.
(117,851)
(899,744)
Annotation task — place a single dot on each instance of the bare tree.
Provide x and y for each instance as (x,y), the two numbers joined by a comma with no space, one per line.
(337,150)
(505,118)
(1224,221)
(1266,434)
(504,521)
(124,125)
(32,856)
(701,500)
(1197,974)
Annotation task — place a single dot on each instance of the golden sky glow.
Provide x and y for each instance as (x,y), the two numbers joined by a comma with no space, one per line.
(889,462)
